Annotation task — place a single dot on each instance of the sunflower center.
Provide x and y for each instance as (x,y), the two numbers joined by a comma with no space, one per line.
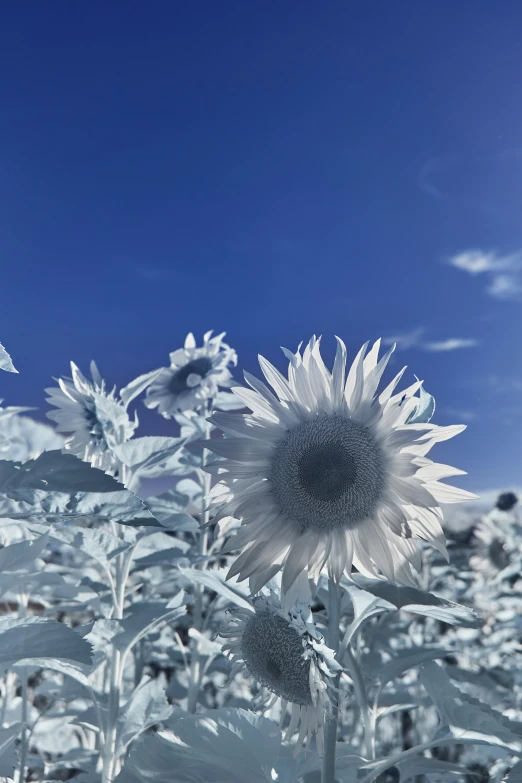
(273,654)
(199,366)
(328,472)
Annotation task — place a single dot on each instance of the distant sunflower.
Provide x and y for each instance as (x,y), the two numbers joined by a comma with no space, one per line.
(324,471)
(194,376)
(94,420)
(287,662)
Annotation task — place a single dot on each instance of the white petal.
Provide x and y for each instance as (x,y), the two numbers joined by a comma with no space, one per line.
(355,380)
(444,493)
(275,379)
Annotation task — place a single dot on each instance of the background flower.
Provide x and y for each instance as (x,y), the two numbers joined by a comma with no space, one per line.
(94,419)
(194,376)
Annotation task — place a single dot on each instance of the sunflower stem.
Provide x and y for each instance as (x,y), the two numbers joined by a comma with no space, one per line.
(330,734)
(195,676)
(362,700)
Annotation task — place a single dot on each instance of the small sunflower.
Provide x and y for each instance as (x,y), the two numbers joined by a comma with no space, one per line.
(94,419)
(288,664)
(194,376)
(494,538)
(326,471)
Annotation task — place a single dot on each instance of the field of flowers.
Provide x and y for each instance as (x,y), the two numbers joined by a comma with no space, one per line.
(300,604)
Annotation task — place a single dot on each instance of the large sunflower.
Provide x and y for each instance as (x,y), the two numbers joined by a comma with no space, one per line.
(326,471)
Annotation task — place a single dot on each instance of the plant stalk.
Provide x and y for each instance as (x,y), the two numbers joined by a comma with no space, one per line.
(199,589)
(330,733)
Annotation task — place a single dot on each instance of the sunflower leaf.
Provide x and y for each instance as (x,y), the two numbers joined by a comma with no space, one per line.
(458,709)
(33,638)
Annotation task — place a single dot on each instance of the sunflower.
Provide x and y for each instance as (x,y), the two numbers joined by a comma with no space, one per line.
(95,420)
(287,662)
(194,376)
(325,471)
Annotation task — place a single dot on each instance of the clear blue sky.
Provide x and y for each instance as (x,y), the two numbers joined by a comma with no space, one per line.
(273,169)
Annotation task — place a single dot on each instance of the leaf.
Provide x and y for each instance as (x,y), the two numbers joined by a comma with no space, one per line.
(30,582)
(78,671)
(17,556)
(26,439)
(33,638)
(365,606)
(150,457)
(221,746)
(98,544)
(6,361)
(458,709)
(420,765)
(453,614)
(147,705)
(137,386)
(408,659)
(42,505)
(144,617)
(53,471)
(412,599)
(216,582)
(169,509)
(167,557)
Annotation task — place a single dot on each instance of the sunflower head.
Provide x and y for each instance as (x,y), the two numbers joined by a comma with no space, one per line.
(193,377)
(94,420)
(327,471)
(286,662)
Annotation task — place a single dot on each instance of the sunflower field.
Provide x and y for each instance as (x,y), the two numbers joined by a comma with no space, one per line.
(277,589)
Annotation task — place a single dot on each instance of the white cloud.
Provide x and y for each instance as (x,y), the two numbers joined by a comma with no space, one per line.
(453,344)
(414,339)
(505,287)
(501,286)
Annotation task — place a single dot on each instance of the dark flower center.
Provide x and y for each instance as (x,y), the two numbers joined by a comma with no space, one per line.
(328,472)
(199,366)
(273,654)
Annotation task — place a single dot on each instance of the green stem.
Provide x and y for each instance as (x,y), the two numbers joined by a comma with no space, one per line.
(25,743)
(110,761)
(330,734)
(362,700)
(195,676)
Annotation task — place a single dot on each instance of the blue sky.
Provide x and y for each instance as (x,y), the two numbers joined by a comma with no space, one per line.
(272,169)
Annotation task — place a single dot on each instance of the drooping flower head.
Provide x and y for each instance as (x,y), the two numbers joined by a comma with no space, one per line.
(287,663)
(496,537)
(194,376)
(95,420)
(327,471)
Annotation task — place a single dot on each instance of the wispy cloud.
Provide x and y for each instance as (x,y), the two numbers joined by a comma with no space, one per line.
(504,272)
(453,344)
(414,339)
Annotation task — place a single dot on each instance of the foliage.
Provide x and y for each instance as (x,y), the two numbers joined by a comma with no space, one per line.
(111,661)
